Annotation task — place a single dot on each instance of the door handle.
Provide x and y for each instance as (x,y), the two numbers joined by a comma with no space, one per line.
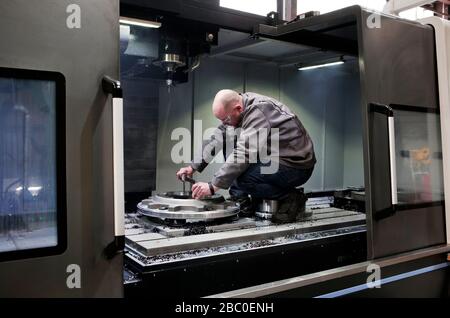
(389,113)
(112,87)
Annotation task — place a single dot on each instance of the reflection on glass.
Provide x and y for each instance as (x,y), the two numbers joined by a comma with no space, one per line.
(27,164)
(419,157)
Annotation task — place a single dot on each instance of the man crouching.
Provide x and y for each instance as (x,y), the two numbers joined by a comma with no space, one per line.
(250,175)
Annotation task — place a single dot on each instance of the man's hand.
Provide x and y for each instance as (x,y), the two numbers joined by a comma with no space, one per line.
(187,171)
(201,189)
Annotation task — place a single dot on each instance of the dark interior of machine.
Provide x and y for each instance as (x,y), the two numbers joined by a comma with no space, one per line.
(160,97)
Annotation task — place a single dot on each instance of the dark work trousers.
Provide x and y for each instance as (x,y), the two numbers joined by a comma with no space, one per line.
(273,186)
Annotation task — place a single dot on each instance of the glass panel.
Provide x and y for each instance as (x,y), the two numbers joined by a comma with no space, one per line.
(419,157)
(27,164)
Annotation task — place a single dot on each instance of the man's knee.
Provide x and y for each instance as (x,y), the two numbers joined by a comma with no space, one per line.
(244,185)
(236,191)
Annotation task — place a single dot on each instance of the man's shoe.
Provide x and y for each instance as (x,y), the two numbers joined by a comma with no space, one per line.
(246,206)
(290,208)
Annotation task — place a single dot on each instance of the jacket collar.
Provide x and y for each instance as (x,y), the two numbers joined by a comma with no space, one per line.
(245,103)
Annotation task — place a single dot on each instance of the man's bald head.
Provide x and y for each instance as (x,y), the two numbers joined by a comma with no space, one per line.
(223,102)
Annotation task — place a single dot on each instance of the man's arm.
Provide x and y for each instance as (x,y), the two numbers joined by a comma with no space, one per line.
(209,150)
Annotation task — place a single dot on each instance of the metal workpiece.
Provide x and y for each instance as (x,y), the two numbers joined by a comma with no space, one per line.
(179,206)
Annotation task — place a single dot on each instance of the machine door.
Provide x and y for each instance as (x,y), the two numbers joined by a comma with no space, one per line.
(407,178)
(59,172)
(404,165)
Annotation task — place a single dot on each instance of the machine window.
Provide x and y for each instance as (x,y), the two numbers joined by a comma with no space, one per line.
(29,217)
(419,157)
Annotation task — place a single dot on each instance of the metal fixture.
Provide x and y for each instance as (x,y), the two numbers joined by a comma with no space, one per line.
(170,63)
(176,207)
(266,208)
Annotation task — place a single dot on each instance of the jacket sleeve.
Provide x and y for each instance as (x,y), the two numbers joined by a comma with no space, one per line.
(246,150)
(209,150)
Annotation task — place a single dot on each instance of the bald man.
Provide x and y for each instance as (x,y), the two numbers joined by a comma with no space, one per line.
(245,180)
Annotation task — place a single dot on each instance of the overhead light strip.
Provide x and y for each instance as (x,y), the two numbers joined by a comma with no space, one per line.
(320,65)
(139,22)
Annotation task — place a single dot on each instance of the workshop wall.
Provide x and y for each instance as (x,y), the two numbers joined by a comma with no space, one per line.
(212,76)
(353,150)
(175,111)
(262,79)
(328,104)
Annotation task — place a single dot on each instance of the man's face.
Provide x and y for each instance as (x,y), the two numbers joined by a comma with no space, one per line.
(231,117)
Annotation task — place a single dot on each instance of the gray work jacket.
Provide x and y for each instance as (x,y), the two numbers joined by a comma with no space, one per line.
(295,147)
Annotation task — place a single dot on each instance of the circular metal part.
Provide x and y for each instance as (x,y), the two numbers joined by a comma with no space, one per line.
(187,195)
(178,195)
(180,206)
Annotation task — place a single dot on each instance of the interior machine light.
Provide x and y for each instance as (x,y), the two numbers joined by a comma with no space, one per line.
(139,22)
(328,63)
